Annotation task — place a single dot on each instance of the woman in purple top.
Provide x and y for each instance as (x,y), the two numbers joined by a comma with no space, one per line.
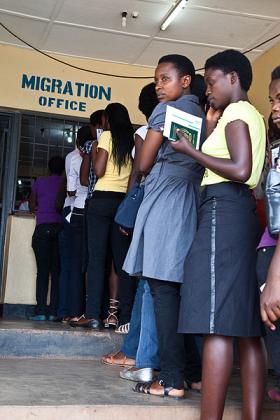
(45,238)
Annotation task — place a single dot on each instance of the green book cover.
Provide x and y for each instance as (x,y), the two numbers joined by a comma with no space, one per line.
(189,124)
(192,133)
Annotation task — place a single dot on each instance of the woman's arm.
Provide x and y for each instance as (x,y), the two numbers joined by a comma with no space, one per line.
(32,202)
(239,167)
(72,179)
(99,161)
(84,170)
(270,297)
(61,195)
(135,175)
(150,150)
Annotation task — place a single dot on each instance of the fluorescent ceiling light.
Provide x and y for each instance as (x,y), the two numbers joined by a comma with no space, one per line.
(173,13)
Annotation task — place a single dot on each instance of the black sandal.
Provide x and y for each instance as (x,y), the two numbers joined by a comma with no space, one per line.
(145,388)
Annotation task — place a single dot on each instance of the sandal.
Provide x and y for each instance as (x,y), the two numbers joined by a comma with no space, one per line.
(123,329)
(66,319)
(118,359)
(112,318)
(145,388)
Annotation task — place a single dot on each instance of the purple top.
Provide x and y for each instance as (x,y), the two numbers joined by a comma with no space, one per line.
(267,240)
(46,191)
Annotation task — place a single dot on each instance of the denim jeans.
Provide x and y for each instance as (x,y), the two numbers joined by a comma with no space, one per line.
(166,298)
(131,341)
(141,341)
(147,354)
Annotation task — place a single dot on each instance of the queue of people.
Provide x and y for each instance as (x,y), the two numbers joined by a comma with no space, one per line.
(195,261)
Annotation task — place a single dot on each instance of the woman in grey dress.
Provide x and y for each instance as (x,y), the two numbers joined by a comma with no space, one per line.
(166,221)
(220,296)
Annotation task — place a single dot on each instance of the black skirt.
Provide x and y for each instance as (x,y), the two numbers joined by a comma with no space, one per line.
(220,293)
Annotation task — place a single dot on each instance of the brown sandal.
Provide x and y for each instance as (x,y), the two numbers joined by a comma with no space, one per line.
(117,359)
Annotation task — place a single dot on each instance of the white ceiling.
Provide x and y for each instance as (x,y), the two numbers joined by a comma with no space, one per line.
(92,28)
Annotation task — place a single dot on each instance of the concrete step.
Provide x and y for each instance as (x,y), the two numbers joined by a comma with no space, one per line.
(85,390)
(54,340)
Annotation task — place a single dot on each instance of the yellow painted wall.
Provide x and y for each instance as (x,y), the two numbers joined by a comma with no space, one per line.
(19,285)
(18,61)
(262,68)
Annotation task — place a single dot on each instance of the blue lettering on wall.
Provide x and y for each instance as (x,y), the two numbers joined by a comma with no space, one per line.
(42,101)
(27,83)
(52,102)
(60,87)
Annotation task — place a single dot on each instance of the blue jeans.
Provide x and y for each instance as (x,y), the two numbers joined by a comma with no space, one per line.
(141,341)
(131,341)
(147,354)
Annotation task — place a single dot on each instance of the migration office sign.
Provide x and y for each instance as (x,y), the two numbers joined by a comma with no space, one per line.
(64,95)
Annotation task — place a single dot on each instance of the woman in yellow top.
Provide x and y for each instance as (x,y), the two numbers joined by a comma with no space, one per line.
(220,296)
(112,164)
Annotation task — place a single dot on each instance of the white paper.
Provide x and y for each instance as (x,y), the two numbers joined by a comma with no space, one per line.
(262,287)
(68,217)
(99,131)
(188,123)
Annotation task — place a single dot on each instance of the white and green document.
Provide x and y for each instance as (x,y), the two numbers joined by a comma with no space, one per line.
(189,124)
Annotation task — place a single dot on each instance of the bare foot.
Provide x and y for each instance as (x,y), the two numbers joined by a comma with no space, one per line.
(195,386)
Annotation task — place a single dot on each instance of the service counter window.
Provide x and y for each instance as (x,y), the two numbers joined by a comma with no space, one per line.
(41,138)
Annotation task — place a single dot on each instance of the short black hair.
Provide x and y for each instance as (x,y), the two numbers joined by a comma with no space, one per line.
(183,64)
(148,100)
(96,116)
(56,165)
(232,60)
(84,134)
(275,73)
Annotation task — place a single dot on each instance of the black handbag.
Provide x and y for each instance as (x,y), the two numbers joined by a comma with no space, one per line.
(128,209)
(272,196)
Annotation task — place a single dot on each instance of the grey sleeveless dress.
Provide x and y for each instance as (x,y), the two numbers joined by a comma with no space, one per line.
(167,218)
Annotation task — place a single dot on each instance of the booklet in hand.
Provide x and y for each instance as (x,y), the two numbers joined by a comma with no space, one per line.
(189,124)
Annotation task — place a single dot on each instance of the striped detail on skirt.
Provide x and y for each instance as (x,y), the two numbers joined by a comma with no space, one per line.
(213,268)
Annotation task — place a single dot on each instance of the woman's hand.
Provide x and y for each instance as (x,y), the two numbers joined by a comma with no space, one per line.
(270,297)
(270,303)
(212,118)
(183,145)
(213,115)
(123,231)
